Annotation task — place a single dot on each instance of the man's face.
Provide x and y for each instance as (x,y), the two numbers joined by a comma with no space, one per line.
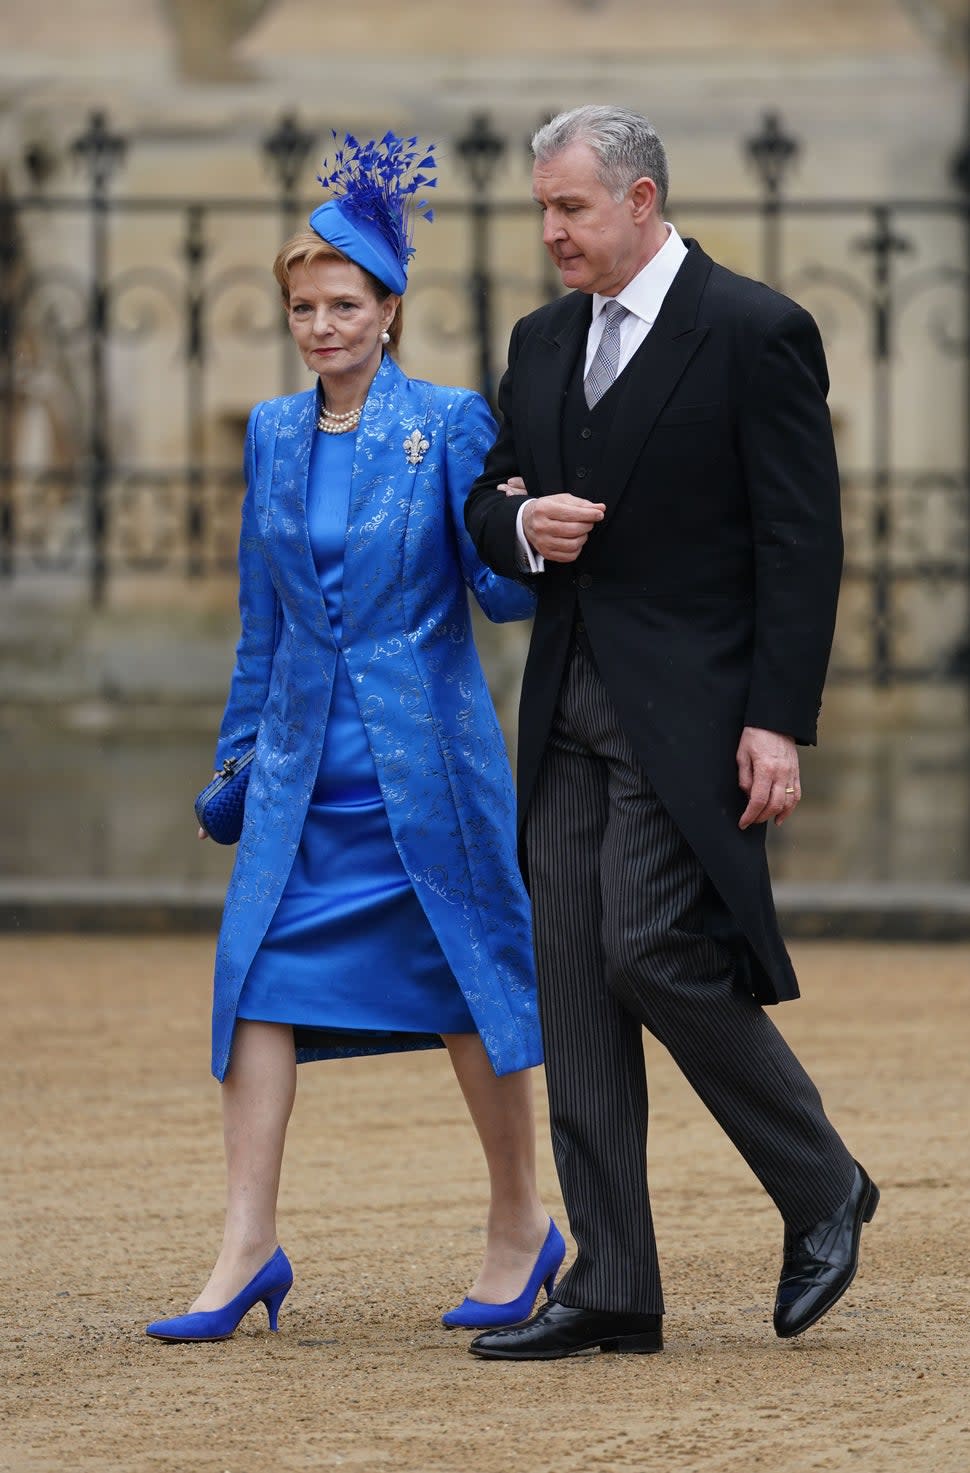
(595,240)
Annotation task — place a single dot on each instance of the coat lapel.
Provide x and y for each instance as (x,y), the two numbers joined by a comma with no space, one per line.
(653,372)
(290,485)
(396,441)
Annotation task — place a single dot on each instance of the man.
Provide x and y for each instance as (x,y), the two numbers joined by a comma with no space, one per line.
(682,531)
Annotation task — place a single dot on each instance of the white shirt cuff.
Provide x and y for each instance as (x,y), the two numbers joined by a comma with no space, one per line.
(527,558)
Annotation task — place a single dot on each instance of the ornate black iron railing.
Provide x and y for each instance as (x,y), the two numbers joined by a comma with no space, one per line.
(95,483)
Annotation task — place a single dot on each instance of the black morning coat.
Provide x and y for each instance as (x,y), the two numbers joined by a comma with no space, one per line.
(709,590)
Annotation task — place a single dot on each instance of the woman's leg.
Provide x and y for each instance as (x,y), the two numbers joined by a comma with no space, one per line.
(501,1109)
(257,1098)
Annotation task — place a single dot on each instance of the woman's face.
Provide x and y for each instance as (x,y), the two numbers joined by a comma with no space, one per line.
(336,321)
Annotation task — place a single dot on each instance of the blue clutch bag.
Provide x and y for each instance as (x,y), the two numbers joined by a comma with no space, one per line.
(220,807)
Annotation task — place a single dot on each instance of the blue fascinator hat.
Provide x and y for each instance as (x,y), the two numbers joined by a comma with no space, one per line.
(370,217)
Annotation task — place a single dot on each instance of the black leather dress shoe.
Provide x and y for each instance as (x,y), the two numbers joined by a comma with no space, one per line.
(559,1330)
(820,1263)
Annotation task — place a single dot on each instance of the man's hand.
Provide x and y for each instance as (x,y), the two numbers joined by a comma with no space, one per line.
(558,526)
(768,773)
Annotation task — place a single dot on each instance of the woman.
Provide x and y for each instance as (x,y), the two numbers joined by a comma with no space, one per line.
(375,903)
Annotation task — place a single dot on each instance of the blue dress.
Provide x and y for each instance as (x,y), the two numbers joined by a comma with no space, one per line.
(349,956)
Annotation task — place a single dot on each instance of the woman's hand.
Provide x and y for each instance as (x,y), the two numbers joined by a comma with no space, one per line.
(514,486)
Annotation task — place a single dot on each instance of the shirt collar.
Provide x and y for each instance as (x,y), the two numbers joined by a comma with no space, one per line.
(643,296)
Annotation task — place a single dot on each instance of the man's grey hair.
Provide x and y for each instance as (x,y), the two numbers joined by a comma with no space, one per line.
(627,146)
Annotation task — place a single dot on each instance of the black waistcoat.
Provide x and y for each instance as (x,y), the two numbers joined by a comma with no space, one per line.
(584,433)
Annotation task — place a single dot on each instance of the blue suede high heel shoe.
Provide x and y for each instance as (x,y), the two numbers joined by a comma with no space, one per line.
(475,1314)
(271,1285)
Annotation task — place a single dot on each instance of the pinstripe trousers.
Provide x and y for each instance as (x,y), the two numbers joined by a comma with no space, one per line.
(618,902)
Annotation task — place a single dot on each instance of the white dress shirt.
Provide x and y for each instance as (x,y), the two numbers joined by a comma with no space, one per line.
(642,297)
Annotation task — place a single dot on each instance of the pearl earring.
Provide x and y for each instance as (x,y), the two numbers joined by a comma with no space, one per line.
(385,337)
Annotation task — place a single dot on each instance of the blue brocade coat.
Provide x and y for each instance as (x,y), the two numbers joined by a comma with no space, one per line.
(408,645)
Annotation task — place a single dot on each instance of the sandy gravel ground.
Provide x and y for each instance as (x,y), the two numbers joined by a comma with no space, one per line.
(111,1189)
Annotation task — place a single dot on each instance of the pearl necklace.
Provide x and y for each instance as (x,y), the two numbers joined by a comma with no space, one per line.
(338,424)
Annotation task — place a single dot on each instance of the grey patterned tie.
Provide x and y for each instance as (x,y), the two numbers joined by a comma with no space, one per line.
(602,370)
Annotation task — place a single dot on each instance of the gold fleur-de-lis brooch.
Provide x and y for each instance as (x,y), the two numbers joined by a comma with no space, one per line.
(415,446)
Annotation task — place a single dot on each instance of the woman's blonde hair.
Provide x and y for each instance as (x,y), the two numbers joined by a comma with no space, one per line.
(306,247)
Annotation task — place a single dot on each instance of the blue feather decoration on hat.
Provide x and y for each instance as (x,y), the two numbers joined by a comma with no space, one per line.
(377,183)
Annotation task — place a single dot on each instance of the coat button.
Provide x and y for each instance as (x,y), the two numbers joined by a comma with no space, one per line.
(581,472)
(585,434)
(585,580)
